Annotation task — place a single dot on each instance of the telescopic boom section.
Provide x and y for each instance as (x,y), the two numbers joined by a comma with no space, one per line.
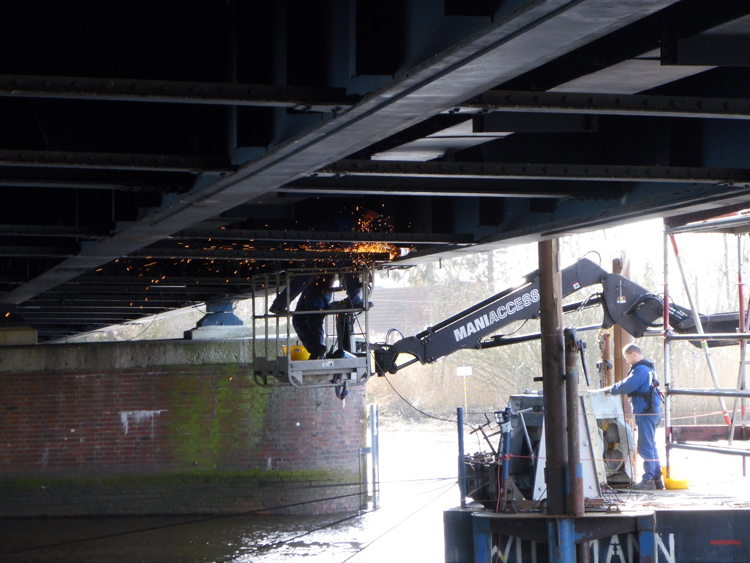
(468,328)
(624,302)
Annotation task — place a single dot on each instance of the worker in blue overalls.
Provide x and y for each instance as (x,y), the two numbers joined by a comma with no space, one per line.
(642,386)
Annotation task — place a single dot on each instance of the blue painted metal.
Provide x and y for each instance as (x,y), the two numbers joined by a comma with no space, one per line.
(461,466)
(561,540)
(482,540)
(220,313)
(506,428)
(646,539)
(666,535)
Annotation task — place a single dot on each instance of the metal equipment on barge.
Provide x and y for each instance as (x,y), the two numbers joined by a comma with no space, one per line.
(536,502)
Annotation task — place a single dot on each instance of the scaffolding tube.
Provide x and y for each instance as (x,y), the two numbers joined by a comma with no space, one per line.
(740,393)
(710,392)
(699,329)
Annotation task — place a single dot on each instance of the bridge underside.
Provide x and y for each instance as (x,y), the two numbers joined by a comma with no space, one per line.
(158,156)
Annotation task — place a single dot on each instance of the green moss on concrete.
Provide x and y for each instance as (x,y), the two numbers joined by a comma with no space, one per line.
(255,478)
(209,412)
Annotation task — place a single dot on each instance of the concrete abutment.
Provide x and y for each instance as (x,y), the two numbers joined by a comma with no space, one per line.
(170,427)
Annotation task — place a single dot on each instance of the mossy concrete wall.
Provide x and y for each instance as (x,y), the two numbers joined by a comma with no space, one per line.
(172,427)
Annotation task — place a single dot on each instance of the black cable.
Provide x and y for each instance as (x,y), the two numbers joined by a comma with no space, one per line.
(398,524)
(428,415)
(121,500)
(224,516)
(593,252)
(274,545)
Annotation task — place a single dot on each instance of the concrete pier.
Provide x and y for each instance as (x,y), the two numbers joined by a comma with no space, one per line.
(170,427)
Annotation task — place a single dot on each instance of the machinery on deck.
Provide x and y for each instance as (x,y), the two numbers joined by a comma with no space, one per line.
(606,452)
(512,472)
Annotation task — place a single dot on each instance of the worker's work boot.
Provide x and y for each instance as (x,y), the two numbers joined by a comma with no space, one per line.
(278,310)
(318,353)
(645,485)
(659,484)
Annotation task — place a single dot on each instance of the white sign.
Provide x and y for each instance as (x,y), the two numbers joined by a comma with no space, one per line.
(463,371)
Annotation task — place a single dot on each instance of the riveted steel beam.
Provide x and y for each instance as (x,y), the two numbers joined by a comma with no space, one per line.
(322,236)
(303,98)
(50,231)
(91,325)
(37,251)
(445,189)
(532,35)
(23,311)
(250,254)
(578,172)
(610,104)
(114,161)
(90,185)
(99,316)
(108,295)
(126,292)
(174,283)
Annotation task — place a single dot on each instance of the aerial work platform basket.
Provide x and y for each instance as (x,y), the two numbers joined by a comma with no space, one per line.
(279,356)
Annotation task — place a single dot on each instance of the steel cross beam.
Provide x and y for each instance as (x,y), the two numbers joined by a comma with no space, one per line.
(79,307)
(476,189)
(320,236)
(114,161)
(37,251)
(251,254)
(51,231)
(102,322)
(534,34)
(104,295)
(304,98)
(173,282)
(658,204)
(610,104)
(497,171)
(89,185)
(104,314)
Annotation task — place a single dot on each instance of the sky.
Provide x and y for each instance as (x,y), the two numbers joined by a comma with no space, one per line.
(709,261)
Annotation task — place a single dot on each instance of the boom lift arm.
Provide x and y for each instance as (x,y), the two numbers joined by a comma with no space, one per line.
(623,301)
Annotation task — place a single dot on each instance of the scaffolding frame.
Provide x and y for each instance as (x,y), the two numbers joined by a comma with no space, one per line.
(737,224)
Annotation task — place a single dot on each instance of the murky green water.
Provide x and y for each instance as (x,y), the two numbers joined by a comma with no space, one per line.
(418,467)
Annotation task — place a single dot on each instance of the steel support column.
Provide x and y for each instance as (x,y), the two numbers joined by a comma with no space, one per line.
(553,370)
(575,469)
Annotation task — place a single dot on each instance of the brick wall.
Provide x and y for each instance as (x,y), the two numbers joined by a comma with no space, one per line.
(174,439)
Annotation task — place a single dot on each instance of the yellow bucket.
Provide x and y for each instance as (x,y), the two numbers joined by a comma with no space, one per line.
(298,353)
(672,483)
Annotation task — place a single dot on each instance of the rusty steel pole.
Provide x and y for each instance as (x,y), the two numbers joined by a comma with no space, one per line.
(575,469)
(622,338)
(605,345)
(553,375)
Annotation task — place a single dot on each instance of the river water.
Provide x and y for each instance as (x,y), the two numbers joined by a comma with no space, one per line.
(418,466)
(418,482)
